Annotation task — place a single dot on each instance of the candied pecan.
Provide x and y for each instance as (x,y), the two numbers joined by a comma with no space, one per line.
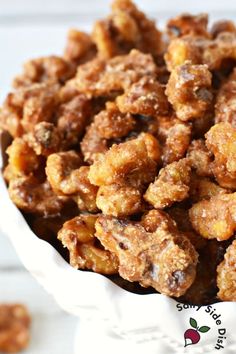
(200,158)
(189,90)
(119,200)
(145,97)
(78,236)
(92,144)
(152,252)
(126,28)
(204,188)
(34,197)
(10,119)
(194,25)
(226,278)
(67,177)
(14,328)
(46,69)
(220,140)
(198,50)
(73,117)
(79,47)
(22,158)
(68,91)
(175,137)
(112,123)
(44,139)
(215,218)
(222,26)
(171,185)
(225,108)
(130,162)
(102,78)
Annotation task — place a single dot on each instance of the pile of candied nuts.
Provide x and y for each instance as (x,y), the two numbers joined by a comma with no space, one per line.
(125,148)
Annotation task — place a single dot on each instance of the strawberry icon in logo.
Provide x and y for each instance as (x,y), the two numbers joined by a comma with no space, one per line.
(192,336)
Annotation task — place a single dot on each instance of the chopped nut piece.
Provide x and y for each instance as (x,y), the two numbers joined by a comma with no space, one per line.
(171,185)
(153,252)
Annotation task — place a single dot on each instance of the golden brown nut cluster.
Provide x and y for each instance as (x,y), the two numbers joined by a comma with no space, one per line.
(124,148)
(14,328)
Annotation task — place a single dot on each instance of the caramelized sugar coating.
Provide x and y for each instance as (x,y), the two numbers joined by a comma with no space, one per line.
(152,252)
(221,141)
(45,139)
(200,158)
(111,123)
(79,47)
(188,24)
(77,235)
(215,218)
(199,50)
(14,328)
(46,69)
(225,108)
(126,28)
(34,197)
(226,275)
(145,97)
(67,177)
(222,26)
(73,117)
(171,185)
(92,144)
(22,158)
(130,162)
(102,78)
(28,106)
(189,91)
(119,200)
(175,137)
(203,188)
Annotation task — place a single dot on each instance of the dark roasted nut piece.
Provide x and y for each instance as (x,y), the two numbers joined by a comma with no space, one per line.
(34,197)
(152,252)
(126,28)
(102,78)
(188,24)
(130,162)
(215,218)
(73,117)
(78,236)
(226,280)
(171,185)
(14,328)
(119,200)
(200,158)
(79,47)
(189,91)
(225,108)
(46,69)
(220,140)
(111,123)
(145,97)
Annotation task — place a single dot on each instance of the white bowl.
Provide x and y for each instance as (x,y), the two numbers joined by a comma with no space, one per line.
(153,318)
